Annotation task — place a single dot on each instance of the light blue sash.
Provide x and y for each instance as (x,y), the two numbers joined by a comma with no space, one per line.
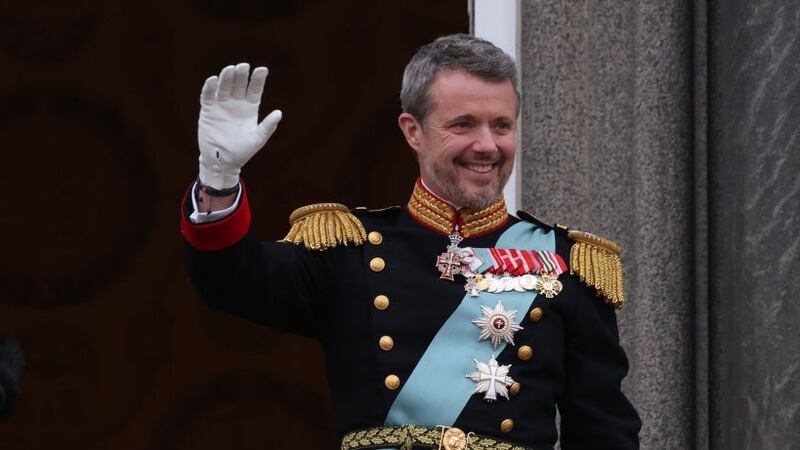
(437,390)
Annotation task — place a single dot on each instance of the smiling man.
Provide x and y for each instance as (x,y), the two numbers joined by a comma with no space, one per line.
(464,139)
(446,323)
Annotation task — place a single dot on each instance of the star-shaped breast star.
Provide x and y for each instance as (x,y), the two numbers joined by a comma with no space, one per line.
(497,324)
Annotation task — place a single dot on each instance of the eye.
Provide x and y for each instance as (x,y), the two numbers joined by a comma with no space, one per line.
(503,125)
(462,125)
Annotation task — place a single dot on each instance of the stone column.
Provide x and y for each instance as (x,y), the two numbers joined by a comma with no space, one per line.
(607,146)
(754,219)
(674,128)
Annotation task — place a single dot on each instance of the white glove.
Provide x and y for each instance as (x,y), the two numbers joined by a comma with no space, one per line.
(228,131)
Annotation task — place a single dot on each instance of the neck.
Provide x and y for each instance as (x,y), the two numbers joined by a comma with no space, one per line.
(427,188)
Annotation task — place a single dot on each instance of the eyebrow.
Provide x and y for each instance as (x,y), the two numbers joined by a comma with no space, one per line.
(471,117)
(460,118)
(505,119)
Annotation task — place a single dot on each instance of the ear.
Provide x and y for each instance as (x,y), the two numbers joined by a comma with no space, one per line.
(412,130)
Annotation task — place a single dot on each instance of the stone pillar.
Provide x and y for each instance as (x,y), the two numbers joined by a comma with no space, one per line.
(754,219)
(607,147)
(673,127)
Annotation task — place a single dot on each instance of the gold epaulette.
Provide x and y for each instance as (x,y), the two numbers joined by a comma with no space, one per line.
(325,225)
(596,261)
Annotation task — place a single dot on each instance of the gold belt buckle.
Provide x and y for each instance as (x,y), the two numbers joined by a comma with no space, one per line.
(453,438)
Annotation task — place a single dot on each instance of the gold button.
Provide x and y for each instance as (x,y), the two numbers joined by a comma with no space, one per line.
(381,302)
(525,352)
(375,238)
(377,264)
(514,389)
(536,314)
(506,425)
(392,382)
(386,343)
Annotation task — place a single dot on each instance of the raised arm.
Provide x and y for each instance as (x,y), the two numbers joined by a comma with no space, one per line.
(274,284)
(228,132)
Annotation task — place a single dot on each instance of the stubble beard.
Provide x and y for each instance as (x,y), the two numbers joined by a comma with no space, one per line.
(455,192)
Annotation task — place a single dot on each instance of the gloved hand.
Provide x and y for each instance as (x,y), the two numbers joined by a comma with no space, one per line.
(228,131)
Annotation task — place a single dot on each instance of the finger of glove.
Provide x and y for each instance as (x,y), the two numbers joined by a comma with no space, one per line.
(225,83)
(240,81)
(256,87)
(267,126)
(209,93)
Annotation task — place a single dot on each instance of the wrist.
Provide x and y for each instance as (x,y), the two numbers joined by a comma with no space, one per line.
(217,178)
(206,202)
(210,191)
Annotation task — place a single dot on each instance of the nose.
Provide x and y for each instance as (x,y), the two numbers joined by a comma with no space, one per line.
(485,140)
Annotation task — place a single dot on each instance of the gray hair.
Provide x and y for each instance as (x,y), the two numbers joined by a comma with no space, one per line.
(463,52)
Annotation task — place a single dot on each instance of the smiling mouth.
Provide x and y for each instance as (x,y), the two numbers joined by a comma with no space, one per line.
(479,168)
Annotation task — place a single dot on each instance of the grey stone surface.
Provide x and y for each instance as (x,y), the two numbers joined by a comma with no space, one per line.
(755,221)
(689,156)
(700,208)
(607,145)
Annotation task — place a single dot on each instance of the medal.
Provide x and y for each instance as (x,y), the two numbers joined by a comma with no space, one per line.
(491,379)
(472,284)
(482,282)
(449,262)
(498,270)
(548,285)
(501,270)
(527,282)
(497,325)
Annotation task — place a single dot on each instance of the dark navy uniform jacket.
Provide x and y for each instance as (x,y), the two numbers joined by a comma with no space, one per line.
(330,296)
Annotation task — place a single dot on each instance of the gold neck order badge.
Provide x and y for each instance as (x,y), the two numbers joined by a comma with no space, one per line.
(438,215)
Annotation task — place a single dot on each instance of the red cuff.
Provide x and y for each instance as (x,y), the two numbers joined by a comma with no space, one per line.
(220,234)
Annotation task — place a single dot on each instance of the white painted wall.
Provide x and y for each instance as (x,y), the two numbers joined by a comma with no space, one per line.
(497,21)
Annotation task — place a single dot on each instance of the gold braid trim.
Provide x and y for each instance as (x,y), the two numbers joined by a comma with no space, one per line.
(429,216)
(442,217)
(406,437)
(596,261)
(440,208)
(325,225)
(476,222)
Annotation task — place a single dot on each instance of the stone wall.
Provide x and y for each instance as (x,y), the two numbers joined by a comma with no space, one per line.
(635,128)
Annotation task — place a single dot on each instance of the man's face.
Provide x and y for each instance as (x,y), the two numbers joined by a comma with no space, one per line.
(466,146)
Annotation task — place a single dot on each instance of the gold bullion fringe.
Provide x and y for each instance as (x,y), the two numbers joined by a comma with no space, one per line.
(325,225)
(596,261)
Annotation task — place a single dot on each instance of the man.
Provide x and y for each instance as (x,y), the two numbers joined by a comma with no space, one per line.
(446,323)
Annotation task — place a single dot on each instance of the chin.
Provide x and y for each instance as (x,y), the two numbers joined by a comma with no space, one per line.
(479,202)
(466,193)
(479,199)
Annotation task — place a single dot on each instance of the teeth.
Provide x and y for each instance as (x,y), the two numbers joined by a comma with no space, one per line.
(480,168)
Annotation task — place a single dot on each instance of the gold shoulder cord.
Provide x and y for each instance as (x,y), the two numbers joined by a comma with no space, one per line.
(325,225)
(596,261)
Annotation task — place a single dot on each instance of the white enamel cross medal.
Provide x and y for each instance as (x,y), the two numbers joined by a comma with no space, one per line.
(472,283)
(491,379)
(449,262)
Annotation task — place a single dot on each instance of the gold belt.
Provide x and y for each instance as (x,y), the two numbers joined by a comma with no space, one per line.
(407,437)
